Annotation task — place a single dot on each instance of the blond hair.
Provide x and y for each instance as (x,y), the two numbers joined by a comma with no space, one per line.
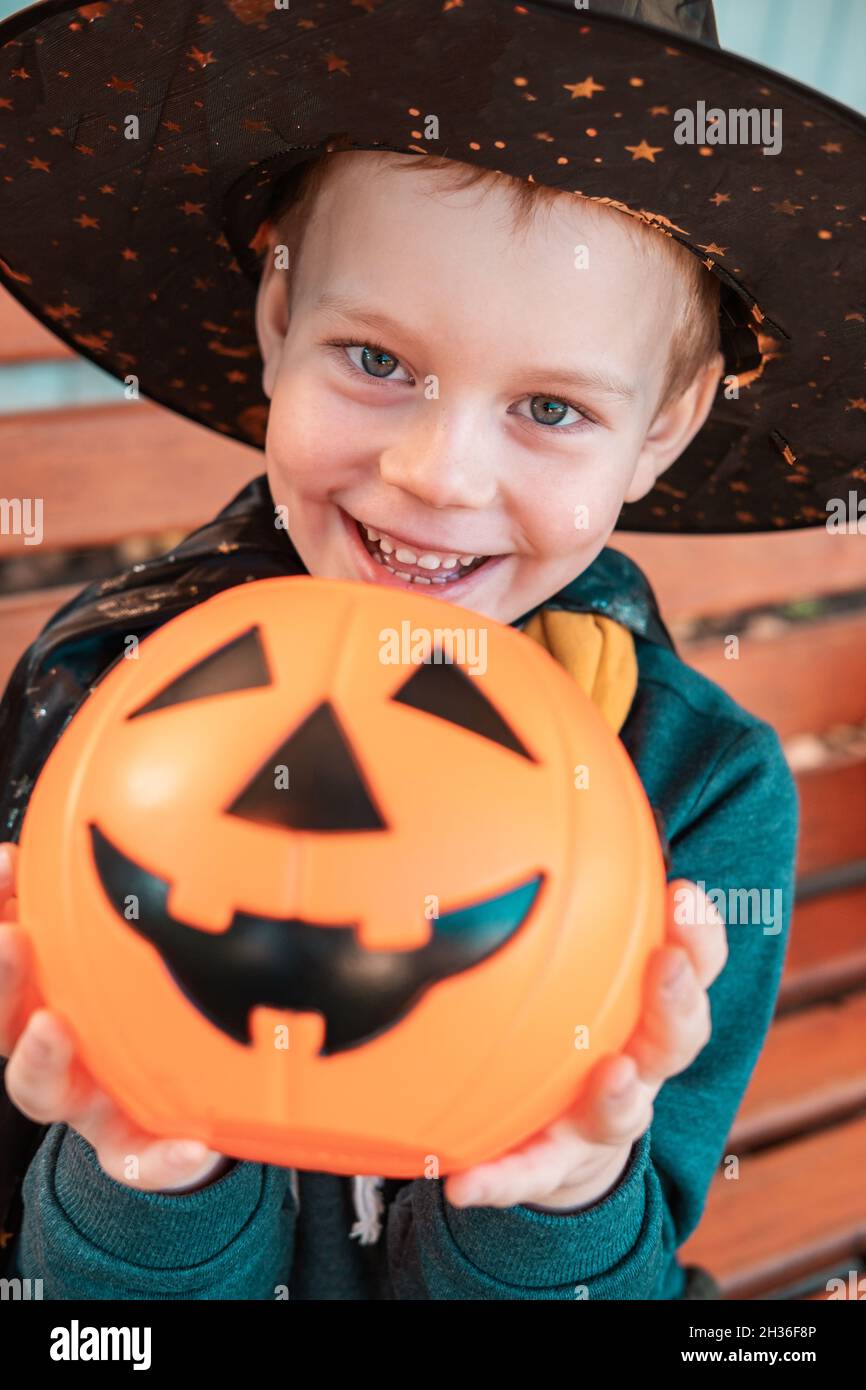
(695,338)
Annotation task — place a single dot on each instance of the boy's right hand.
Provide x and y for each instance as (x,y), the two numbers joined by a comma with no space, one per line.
(48,1082)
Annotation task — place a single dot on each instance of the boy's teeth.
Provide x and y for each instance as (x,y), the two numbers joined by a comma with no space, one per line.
(401,554)
(429,560)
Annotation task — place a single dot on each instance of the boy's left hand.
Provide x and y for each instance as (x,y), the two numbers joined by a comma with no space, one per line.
(578,1159)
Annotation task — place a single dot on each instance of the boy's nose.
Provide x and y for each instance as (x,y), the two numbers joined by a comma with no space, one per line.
(443,464)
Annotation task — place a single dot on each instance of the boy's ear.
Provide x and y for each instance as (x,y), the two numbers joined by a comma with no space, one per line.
(674,428)
(272,314)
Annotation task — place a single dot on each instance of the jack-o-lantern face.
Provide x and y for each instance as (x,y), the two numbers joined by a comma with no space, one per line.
(324,909)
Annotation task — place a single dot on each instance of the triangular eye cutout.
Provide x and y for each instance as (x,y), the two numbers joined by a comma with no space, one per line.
(239,665)
(326,790)
(445,690)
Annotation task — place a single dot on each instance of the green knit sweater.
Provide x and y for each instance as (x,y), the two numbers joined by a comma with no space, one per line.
(730,808)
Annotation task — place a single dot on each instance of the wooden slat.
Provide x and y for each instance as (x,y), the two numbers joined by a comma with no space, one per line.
(827,951)
(832,816)
(691,575)
(849,1290)
(812,1070)
(22,618)
(804,680)
(109,472)
(710,575)
(794,1208)
(23,338)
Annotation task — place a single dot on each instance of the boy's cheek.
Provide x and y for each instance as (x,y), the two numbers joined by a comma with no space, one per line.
(575,526)
(582,514)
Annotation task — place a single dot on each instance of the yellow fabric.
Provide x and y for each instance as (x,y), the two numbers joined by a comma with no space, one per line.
(598,652)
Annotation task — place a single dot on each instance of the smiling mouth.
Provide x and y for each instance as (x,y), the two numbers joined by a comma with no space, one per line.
(415,565)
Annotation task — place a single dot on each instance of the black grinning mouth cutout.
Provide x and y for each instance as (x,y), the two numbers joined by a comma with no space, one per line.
(305,967)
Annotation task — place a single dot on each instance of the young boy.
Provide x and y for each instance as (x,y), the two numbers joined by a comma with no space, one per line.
(457,366)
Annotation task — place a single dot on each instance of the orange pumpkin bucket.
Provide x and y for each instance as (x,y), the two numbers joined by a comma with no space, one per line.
(313,883)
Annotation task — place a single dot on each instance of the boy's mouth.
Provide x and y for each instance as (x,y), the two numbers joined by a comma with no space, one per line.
(414,564)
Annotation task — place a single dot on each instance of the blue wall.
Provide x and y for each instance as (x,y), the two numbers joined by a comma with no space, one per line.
(820,42)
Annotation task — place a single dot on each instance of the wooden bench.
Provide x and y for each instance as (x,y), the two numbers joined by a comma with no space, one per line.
(796,1216)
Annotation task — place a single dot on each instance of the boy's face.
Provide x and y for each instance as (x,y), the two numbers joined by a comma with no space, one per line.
(488,426)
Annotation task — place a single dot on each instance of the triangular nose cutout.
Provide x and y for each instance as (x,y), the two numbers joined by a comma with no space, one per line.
(326,790)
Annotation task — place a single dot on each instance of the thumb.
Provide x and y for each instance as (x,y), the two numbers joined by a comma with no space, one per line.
(684,901)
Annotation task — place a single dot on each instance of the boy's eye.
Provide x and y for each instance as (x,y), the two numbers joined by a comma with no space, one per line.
(550,410)
(373,360)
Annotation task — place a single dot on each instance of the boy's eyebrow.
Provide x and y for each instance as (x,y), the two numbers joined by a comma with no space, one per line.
(590,378)
(584,380)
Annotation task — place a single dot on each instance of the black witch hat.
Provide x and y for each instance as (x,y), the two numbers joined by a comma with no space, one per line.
(143,253)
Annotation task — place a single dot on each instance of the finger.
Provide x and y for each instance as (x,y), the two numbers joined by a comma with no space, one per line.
(541,1165)
(676,1022)
(41,1076)
(46,1082)
(614,1109)
(8,874)
(137,1159)
(18,994)
(695,923)
(617,1106)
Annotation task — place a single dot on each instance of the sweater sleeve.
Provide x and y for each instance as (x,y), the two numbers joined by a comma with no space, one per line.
(740,840)
(89,1237)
